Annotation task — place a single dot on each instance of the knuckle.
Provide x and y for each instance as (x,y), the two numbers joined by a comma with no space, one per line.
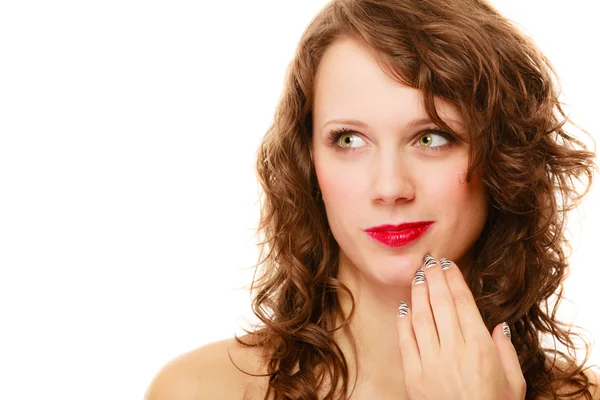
(481,353)
(415,389)
(463,297)
(450,354)
(436,291)
(412,377)
(419,320)
(444,303)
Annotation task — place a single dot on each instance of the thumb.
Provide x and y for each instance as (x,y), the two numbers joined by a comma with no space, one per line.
(509,360)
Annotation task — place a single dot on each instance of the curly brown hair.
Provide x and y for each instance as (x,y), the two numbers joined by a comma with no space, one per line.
(467,53)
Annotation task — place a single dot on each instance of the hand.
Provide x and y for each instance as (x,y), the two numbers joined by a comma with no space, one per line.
(447,351)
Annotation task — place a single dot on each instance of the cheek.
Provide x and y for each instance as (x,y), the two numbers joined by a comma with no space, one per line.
(464,204)
(452,189)
(337,181)
(461,207)
(343,194)
(448,190)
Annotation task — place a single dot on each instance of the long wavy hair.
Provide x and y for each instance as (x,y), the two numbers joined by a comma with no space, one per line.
(467,53)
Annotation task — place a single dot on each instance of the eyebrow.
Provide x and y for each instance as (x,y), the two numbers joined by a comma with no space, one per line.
(412,124)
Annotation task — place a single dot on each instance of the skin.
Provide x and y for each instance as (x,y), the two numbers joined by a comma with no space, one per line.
(388,170)
(441,348)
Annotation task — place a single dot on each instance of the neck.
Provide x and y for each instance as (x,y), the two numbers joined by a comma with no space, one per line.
(373,330)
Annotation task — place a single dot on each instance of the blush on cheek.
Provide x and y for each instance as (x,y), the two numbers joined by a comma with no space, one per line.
(443,187)
(336,182)
(453,195)
(338,192)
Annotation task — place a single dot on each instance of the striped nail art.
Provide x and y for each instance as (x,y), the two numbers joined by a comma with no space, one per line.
(419,277)
(402,309)
(506,330)
(429,261)
(445,263)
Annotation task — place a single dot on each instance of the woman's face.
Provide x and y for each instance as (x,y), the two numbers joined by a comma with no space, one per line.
(387,169)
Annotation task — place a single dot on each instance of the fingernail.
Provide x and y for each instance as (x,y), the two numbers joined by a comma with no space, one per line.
(445,263)
(429,261)
(419,277)
(402,309)
(506,330)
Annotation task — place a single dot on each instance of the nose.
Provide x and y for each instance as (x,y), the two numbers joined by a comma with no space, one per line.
(393,179)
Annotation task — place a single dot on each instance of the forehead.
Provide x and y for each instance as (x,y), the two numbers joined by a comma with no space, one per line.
(350,83)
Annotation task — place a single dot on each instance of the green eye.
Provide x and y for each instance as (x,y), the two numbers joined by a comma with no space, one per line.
(425,140)
(343,139)
(347,139)
(434,140)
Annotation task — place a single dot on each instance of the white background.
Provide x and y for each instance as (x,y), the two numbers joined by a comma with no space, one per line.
(127,186)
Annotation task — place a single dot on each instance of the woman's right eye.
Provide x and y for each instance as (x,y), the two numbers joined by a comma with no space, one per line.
(348,138)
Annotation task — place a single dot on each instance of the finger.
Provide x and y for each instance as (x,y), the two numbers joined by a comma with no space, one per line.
(442,305)
(422,319)
(471,324)
(509,360)
(411,359)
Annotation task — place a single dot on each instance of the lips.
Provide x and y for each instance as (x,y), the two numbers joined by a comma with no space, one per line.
(399,235)
(396,228)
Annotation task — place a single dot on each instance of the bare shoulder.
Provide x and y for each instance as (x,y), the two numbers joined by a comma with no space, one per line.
(209,373)
(593,375)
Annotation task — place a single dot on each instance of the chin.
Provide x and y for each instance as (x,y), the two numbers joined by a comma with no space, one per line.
(397,270)
(395,275)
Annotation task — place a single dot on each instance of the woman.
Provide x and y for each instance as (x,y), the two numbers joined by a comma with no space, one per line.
(416,179)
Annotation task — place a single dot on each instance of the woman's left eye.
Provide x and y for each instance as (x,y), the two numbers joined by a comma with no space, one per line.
(435,139)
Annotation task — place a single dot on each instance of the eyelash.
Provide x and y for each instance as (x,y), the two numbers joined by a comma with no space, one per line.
(336,134)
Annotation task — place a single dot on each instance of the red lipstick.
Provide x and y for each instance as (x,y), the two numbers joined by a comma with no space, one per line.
(399,235)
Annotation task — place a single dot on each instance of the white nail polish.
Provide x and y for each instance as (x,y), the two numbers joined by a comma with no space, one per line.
(402,309)
(429,261)
(419,277)
(506,330)
(445,263)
